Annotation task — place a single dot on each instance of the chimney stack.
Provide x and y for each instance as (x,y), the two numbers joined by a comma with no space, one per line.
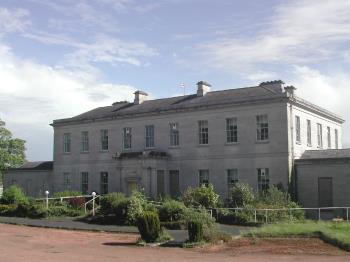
(140,97)
(290,90)
(203,88)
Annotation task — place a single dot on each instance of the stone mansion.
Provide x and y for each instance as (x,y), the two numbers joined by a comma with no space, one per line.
(251,135)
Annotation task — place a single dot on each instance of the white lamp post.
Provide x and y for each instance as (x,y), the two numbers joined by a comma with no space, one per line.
(47,199)
(93,202)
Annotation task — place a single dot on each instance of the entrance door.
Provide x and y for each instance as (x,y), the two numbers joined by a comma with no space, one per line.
(131,186)
(325,192)
(174,184)
(160,183)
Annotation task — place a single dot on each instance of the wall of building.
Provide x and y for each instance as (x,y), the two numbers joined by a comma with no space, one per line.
(246,155)
(33,183)
(308,173)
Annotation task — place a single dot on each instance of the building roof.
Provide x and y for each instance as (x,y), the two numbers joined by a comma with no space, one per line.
(32,166)
(266,91)
(325,154)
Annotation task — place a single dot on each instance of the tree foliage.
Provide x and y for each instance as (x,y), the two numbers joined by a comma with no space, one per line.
(11,149)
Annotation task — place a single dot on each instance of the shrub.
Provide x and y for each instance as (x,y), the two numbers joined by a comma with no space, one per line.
(241,195)
(114,204)
(149,226)
(195,231)
(58,210)
(136,207)
(200,214)
(8,210)
(171,210)
(201,196)
(14,195)
(76,202)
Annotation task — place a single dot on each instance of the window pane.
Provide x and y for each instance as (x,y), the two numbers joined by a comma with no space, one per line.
(262,128)
(104,183)
(329,141)
(66,181)
(297,129)
(319,136)
(127,138)
(336,139)
(66,143)
(84,141)
(174,134)
(263,179)
(85,182)
(149,136)
(203,132)
(309,137)
(204,177)
(232,178)
(174,183)
(231,130)
(104,139)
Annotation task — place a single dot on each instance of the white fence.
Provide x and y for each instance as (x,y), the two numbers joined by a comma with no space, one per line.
(317,213)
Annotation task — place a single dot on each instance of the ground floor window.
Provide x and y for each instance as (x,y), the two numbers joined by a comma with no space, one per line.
(85,182)
(174,183)
(203,177)
(66,181)
(232,178)
(104,183)
(263,179)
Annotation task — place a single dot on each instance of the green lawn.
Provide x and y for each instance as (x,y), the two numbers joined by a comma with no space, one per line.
(336,233)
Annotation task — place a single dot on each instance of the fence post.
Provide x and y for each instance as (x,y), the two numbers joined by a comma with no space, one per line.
(47,199)
(319,214)
(290,215)
(93,203)
(347,214)
(266,216)
(255,216)
(61,200)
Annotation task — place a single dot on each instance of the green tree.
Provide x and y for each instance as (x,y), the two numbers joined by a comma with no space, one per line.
(11,149)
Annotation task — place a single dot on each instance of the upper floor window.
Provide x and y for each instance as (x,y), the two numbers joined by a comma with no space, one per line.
(263,179)
(203,175)
(231,130)
(104,183)
(66,143)
(85,182)
(232,178)
(127,142)
(336,138)
(85,141)
(319,136)
(329,141)
(150,136)
(203,132)
(104,139)
(174,134)
(309,136)
(262,128)
(297,129)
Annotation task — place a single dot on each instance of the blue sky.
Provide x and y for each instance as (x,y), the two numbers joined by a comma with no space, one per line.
(61,58)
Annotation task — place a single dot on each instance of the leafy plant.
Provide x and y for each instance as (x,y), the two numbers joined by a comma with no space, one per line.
(241,195)
(115,204)
(136,206)
(171,210)
(149,226)
(195,231)
(14,195)
(204,196)
(67,193)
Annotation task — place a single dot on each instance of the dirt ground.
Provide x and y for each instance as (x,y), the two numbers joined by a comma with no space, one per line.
(20,243)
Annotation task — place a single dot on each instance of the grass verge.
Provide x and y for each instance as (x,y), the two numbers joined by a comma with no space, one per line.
(335,233)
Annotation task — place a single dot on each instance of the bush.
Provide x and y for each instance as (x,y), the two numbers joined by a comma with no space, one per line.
(14,195)
(63,210)
(149,226)
(114,204)
(241,195)
(195,231)
(137,204)
(8,210)
(201,196)
(171,210)
(200,214)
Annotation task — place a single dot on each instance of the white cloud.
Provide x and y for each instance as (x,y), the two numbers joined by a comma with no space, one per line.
(303,31)
(331,91)
(33,94)
(13,20)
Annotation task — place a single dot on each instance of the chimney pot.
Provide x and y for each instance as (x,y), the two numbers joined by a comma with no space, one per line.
(203,88)
(140,97)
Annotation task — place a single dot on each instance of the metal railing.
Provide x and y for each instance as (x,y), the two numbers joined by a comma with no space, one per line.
(266,211)
(94,206)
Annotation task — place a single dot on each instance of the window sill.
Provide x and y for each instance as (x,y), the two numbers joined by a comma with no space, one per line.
(126,149)
(309,145)
(262,141)
(231,143)
(174,147)
(85,152)
(104,151)
(66,153)
(149,148)
(203,145)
